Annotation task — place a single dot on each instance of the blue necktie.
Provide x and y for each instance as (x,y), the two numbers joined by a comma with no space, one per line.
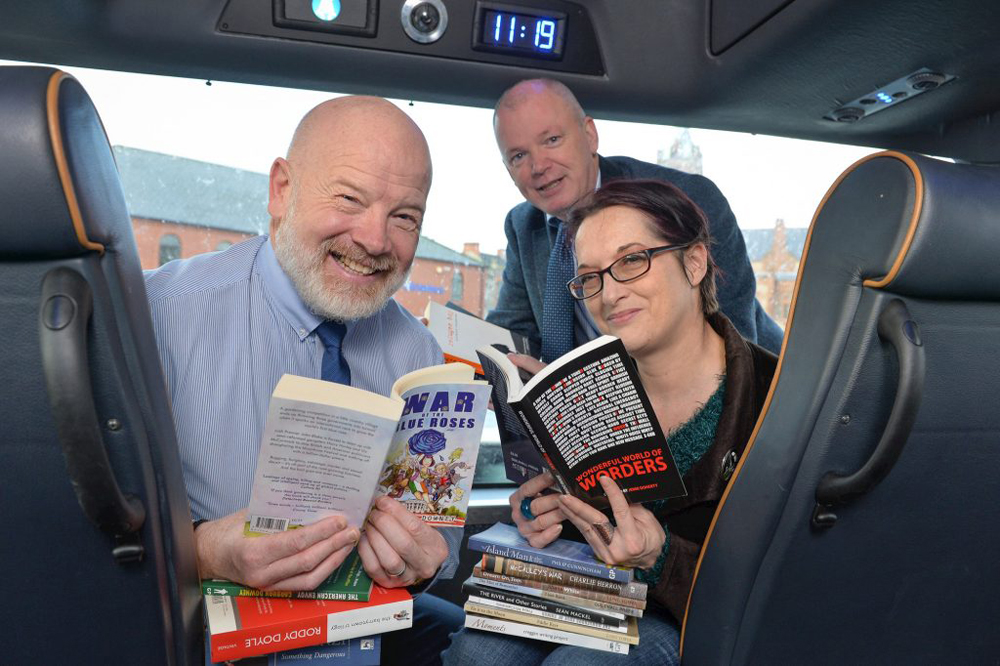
(335,369)
(557,311)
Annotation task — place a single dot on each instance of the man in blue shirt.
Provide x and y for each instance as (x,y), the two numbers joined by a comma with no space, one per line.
(549,146)
(346,208)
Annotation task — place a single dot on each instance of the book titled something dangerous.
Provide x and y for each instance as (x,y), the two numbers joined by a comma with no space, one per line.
(583,416)
(330,449)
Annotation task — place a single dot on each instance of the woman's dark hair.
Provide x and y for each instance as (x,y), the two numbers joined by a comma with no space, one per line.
(674,217)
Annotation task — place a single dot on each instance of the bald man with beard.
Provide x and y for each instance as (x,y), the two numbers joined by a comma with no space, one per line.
(346,207)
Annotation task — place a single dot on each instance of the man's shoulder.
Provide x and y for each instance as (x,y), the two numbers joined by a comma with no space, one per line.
(203,273)
(524,214)
(628,167)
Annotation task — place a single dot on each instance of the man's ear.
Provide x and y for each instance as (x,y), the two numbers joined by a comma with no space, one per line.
(279,190)
(590,129)
(696,263)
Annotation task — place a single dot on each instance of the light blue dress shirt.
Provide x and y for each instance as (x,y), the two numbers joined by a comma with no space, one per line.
(228,326)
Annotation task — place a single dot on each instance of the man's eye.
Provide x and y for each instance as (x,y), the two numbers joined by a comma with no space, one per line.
(516,157)
(408,222)
(349,199)
(553,139)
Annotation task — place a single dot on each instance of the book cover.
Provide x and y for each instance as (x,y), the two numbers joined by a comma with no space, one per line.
(630,635)
(588,415)
(524,630)
(539,572)
(248,626)
(460,333)
(484,594)
(618,627)
(571,556)
(608,603)
(332,449)
(348,582)
(361,651)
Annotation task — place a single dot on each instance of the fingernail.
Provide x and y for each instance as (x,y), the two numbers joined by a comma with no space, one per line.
(355,537)
(559,530)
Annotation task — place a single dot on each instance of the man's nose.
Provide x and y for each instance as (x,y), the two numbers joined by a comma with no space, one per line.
(372,234)
(539,165)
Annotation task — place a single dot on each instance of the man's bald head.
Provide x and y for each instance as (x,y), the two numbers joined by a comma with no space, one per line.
(520,92)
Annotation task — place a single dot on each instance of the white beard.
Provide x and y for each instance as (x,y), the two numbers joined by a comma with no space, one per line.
(327,298)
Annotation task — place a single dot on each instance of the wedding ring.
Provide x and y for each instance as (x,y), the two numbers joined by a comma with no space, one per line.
(606,531)
(398,573)
(526,508)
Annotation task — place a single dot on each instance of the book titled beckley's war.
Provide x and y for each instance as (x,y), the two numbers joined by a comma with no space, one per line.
(460,333)
(505,541)
(587,416)
(348,582)
(330,449)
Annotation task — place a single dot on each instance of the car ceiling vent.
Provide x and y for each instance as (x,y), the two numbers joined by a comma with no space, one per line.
(891,94)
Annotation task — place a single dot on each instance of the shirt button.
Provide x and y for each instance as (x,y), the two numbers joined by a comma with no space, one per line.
(302,332)
(729,465)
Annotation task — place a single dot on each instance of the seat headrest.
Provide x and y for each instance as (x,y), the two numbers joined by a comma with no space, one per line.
(950,242)
(59,185)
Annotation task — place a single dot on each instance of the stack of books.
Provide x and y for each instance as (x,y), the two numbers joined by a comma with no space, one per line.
(247,622)
(561,593)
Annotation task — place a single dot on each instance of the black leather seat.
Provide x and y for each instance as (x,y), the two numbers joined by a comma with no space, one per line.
(98,557)
(890,357)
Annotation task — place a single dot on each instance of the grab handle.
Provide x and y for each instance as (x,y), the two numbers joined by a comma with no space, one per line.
(897,328)
(66,306)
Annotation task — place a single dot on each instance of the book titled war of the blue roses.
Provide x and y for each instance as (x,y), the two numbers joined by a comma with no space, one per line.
(330,449)
(583,416)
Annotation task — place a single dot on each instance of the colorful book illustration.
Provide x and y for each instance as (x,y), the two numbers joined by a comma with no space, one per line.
(330,449)
(248,626)
(587,416)
(349,582)
(566,558)
(460,333)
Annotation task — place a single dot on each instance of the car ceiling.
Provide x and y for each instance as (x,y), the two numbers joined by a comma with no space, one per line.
(764,66)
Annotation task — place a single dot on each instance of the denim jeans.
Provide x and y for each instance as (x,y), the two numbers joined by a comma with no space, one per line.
(659,640)
(433,620)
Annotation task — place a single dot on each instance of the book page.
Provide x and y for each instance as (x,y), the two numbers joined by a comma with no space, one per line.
(318,458)
(433,455)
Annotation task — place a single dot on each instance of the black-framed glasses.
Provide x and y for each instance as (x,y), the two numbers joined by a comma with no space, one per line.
(625,269)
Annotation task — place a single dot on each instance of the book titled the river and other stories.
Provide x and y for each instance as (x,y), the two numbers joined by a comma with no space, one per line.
(330,449)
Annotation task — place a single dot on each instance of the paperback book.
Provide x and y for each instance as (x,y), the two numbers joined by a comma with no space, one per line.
(630,635)
(460,333)
(248,626)
(612,604)
(484,594)
(558,636)
(537,572)
(587,416)
(361,651)
(349,582)
(330,449)
(562,554)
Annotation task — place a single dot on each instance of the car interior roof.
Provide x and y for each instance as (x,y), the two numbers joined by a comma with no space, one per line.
(765,66)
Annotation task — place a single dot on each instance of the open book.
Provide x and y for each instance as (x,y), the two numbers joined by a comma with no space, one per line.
(585,415)
(460,333)
(332,449)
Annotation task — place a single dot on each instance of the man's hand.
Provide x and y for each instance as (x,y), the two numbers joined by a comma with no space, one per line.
(529,364)
(297,559)
(636,540)
(546,525)
(397,548)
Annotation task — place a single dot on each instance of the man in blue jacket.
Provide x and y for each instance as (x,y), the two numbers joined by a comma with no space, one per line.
(549,146)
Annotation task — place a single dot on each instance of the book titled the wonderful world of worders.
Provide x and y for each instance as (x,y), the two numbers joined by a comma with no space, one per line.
(569,556)
(348,582)
(588,416)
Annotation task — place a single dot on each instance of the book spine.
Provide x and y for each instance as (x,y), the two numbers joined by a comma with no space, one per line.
(563,486)
(533,602)
(516,616)
(617,607)
(228,589)
(594,569)
(547,573)
(305,632)
(508,628)
(602,623)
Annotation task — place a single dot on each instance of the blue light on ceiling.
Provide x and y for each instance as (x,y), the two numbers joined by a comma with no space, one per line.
(326,10)
(884,97)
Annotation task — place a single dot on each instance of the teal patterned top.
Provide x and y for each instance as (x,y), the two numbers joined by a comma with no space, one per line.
(688,443)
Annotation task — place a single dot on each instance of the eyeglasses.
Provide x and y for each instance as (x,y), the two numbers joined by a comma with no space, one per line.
(625,269)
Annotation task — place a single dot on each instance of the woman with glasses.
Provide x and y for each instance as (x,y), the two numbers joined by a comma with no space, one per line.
(645,274)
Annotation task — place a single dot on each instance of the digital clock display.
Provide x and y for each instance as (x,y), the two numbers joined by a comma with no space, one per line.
(523,33)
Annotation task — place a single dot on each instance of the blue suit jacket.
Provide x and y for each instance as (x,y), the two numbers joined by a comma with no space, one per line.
(529,244)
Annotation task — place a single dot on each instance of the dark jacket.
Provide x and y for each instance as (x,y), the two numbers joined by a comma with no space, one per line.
(749,369)
(530,240)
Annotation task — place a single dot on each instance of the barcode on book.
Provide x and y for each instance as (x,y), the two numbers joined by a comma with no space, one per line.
(264,524)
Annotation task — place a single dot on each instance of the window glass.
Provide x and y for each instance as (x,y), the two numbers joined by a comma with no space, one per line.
(194,157)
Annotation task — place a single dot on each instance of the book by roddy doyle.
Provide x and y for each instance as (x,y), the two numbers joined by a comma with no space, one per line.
(362,651)
(505,541)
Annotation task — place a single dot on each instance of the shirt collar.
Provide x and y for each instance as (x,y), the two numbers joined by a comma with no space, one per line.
(284,295)
(548,218)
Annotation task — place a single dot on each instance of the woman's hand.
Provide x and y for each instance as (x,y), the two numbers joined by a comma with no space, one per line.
(637,539)
(545,525)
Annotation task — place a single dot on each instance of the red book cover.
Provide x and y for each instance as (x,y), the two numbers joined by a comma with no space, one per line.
(247,626)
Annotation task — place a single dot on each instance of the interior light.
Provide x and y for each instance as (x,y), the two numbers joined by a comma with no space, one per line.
(326,10)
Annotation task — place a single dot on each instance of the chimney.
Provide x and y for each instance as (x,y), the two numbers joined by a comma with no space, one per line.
(472,250)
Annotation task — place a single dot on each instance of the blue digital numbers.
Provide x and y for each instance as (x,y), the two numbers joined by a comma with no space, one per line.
(521,32)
